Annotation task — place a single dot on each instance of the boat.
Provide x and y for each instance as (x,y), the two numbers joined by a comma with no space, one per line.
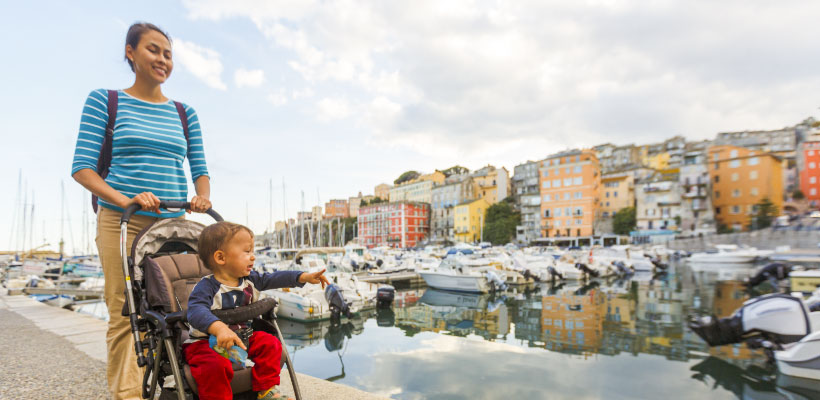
(454,275)
(804,281)
(727,254)
(56,300)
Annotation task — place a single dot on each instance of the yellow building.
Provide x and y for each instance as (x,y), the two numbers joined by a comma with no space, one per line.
(493,183)
(417,190)
(657,161)
(382,191)
(617,192)
(469,220)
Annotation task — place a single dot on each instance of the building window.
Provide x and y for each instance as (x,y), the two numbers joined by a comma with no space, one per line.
(735,210)
(717,210)
(547,213)
(566,170)
(578,181)
(733,154)
(545,184)
(614,194)
(813,192)
(754,161)
(607,195)
(556,183)
(753,191)
(577,169)
(717,194)
(717,178)
(734,163)
(568,182)
(735,177)
(753,175)
(578,195)
(813,179)
(557,212)
(811,152)
(606,214)
(547,198)
(736,193)
(546,172)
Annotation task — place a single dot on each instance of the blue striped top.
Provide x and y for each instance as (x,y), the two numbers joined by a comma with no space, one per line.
(148,147)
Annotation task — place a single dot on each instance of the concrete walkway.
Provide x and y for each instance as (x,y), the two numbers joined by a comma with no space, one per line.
(59,354)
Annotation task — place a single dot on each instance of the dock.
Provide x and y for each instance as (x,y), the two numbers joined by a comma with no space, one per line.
(409,279)
(53,353)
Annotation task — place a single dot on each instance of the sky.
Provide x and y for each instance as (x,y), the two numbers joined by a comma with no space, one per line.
(334,97)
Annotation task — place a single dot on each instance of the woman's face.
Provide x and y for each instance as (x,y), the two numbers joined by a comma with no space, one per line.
(152,57)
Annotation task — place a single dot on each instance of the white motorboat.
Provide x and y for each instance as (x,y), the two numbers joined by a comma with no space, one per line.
(727,254)
(453,275)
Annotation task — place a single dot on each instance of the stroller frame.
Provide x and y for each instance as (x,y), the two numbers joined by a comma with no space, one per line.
(168,325)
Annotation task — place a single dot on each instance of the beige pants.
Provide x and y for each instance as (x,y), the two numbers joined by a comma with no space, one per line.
(124,376)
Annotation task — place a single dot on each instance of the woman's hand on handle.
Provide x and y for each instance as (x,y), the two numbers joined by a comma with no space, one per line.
(200,204)
(147,201)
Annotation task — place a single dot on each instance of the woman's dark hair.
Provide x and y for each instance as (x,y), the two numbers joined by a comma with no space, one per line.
(135,33)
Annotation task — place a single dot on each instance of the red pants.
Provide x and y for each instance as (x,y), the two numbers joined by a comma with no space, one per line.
(213,373)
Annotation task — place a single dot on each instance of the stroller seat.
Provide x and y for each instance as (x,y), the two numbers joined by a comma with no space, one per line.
(169,282)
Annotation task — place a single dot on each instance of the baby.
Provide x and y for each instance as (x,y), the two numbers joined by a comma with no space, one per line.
(227,250)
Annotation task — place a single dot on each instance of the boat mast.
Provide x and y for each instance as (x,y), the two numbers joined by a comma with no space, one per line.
(15,215)
(302,222)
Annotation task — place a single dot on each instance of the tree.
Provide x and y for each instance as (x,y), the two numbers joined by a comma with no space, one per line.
(375,200)
(500,222)
(766,212)
(798,195)
(624,221)
(455,170)
(407,176)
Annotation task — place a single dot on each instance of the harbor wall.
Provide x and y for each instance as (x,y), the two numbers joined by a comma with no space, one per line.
(766,239)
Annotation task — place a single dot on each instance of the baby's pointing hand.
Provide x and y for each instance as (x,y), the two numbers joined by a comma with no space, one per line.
(314,278)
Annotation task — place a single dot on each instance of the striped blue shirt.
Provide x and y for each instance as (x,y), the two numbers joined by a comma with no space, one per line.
(148,148)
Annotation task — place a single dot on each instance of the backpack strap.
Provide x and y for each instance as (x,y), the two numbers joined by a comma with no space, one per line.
(104,160)
(183,116)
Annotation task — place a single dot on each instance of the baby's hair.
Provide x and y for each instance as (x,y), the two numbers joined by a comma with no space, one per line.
(213,237)
(135,32)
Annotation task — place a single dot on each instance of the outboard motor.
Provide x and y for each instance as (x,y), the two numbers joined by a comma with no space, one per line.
(354,265)
(495,280)
(777,318)
(622,269)
(658,264)
(379,263)
(527,275)
(772,273)
(338,305)
(554,275)
(385,295)
(587,270)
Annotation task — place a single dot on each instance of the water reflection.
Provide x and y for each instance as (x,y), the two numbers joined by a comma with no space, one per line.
(605,339)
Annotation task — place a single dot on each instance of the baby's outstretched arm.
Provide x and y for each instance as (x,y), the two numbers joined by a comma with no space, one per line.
(314,278)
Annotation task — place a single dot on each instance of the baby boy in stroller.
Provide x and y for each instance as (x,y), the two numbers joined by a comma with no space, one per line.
(227,250)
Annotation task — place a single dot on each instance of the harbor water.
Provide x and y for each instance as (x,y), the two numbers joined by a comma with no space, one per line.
(616,339)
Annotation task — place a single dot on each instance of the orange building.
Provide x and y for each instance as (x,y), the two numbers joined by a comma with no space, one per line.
(336,209)
(570,183)
(742,178)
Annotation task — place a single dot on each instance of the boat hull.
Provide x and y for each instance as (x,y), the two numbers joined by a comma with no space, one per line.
(459,283)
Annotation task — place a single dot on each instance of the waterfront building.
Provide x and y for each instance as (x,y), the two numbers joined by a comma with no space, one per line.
(304,216)
(469,220)
(697,214)
(279,226)
(382,191)
(336,208)
(617,192)
(570,185)
(742,178)
(809,166)
(400,224)
(355,202)
(525,190)
(664,155)
(316,213)
(417,190)
(455,190)
(658,202)
(493,183)
(617,158)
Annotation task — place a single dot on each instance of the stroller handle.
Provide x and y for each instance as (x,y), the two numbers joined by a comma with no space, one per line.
(131,209)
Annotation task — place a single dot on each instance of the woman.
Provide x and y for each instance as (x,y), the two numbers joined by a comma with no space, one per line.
(147,152)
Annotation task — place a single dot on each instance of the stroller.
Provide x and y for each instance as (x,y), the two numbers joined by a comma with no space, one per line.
(160,273)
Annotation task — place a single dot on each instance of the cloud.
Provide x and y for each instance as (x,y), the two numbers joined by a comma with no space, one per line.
(449,77)
(202,62)
(278,98)
(331,109)
(249,77)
